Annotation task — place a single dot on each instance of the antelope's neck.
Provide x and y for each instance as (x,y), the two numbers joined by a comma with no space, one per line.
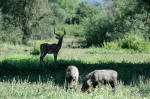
(59,43)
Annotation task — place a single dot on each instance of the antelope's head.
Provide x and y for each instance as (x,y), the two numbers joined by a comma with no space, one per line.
(60,38)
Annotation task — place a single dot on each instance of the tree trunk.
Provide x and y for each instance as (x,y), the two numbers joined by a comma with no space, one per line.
(24,23)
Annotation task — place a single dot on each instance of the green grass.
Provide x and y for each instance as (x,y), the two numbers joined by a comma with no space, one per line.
(49,90)
(22,77)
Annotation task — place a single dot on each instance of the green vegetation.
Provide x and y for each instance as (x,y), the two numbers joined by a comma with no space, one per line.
(22,75)
(110,21)
(36,48)
(49,90)
(112,34)
(130,42)
(117,20)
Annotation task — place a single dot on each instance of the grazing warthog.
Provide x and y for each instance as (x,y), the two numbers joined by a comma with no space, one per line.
(98,77)
(72,75)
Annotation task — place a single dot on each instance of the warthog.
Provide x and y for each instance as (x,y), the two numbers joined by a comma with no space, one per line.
(98,77)
(72,75)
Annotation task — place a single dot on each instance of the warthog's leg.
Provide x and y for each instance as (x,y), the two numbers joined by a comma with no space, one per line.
(66,85)
(68,82)
(99,84)
(95,84)
(112,84)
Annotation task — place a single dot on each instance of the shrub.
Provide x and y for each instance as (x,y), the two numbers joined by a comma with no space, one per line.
(97,29)
(36,48)
(111,45)
(133,42)
(130,42)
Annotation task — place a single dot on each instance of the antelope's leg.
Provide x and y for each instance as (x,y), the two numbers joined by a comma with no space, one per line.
(55,58)
(41,57)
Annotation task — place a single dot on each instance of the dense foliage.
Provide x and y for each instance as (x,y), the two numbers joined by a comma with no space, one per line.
(119,19)
(23,20)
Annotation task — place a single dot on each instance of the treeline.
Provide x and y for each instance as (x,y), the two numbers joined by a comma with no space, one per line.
(110,20)
(119,19)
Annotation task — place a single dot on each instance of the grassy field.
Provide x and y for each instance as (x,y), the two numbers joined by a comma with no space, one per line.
(22,77)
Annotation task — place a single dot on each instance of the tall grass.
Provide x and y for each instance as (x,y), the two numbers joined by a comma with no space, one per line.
(48,90)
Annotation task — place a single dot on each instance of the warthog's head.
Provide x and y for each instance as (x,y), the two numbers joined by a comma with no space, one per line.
(72,83)
(85,85)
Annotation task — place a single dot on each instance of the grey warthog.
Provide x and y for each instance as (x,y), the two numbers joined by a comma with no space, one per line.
(98,77)
(72,75)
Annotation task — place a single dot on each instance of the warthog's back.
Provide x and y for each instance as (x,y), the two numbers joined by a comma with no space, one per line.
(105,75)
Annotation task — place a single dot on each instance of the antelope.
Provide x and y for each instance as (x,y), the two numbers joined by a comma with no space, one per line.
(46,48)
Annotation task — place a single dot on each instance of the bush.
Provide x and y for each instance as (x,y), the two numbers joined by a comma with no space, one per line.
(97,29)
(129,42)
(111,45)
(135,43)
(36,48)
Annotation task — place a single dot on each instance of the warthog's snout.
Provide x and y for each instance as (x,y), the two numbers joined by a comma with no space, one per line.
(85,86)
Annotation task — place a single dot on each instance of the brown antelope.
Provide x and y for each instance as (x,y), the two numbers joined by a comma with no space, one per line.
(51,48)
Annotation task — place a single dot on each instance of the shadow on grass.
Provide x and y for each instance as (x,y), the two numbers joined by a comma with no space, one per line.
(29,70)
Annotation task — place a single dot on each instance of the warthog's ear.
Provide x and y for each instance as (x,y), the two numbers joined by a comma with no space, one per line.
(89,82)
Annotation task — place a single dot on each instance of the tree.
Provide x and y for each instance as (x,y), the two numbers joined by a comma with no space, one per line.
(85,10)
(25,14)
